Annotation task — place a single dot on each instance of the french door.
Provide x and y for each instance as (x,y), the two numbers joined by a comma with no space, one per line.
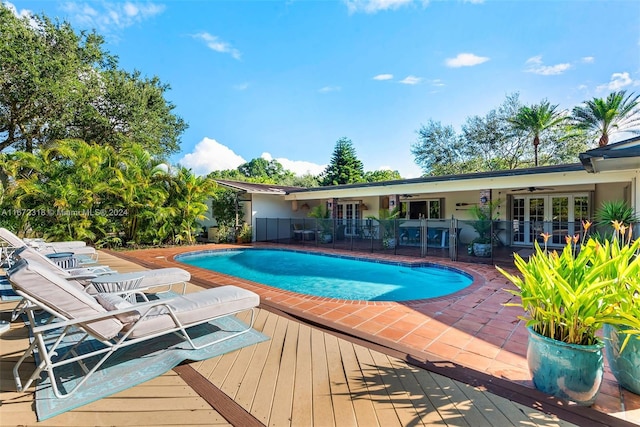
(559,215)
(349,215)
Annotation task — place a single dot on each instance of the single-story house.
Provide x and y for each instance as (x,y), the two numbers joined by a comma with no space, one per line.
(552,199)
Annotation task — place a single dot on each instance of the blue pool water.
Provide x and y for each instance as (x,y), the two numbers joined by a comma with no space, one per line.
(330,276)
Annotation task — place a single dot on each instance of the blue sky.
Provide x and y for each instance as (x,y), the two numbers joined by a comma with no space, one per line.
(287,79)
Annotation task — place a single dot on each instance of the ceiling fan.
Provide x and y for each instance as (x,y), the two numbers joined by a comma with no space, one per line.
(532,189)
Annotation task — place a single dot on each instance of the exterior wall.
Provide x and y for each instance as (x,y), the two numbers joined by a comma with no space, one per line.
(612,191)
(275,206)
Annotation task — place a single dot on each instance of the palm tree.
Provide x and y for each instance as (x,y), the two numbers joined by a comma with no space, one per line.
(535,120)
(603,117)
(188,196)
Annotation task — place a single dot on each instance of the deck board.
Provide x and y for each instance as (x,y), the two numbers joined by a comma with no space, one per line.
(377,391)
(302,376)
(322,405)
(261,407)
(302,410)
(342,403)
(362,405)
(247,390)
(281,408)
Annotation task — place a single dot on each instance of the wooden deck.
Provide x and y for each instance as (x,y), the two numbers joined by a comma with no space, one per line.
(303,376)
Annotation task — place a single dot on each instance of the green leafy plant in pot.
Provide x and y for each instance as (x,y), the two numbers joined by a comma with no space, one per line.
(567,297)
(484,216)
(386,220)
(245,234)
(323,222)
(622,340)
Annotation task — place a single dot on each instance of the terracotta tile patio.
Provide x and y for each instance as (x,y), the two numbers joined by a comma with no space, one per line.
(471,328)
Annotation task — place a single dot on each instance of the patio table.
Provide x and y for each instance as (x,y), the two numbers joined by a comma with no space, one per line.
(127,284)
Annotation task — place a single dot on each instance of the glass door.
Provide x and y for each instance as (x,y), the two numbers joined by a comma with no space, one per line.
(559,220)
(349,215)
(559,215)
(536,218)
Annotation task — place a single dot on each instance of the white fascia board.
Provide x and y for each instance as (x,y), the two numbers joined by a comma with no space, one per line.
(580,177)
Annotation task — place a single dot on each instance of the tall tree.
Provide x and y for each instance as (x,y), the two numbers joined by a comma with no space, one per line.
(439,150)
(382,175)
(601,118)
(188,194)
(535,120)
(345,167)
(56,84)
(492,142)
(263,170)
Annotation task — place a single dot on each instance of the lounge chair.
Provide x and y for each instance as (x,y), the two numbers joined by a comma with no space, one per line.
(109,319)
(149,279)
(169,277)
(64,266)
(86,254)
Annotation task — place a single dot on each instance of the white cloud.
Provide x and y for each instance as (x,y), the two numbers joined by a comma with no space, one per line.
(209,155)
(411,80)
(328,89)
(474,1)
(534,65)
(618,81)
(105,16)
(24,13)
(298,167)
(373,6)
(437,83)
(214,43)
(465,60)
(383,77)
(588,59)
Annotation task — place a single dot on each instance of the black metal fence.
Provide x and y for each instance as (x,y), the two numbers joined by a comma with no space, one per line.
(487,242)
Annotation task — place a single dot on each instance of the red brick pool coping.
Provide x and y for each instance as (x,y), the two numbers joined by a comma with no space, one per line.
(471,327)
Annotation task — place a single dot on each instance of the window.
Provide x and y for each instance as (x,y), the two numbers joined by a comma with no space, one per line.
(429,209)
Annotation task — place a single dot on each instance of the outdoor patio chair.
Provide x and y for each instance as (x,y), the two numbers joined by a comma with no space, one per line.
(64,265)
(110,320)
(169,276)
(83,253)
(149,279)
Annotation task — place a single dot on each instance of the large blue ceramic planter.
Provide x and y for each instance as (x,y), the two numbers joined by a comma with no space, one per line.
(626,365)
(568,371)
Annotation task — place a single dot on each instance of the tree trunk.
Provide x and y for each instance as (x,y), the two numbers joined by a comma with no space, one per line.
(604,140)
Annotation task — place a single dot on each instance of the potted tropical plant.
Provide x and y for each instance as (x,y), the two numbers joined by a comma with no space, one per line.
(323,221)
(386,220)
(621,347)
(483,215)
(567,297)
(245,234)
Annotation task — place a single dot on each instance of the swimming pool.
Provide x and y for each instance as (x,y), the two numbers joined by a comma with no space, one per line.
(332,276)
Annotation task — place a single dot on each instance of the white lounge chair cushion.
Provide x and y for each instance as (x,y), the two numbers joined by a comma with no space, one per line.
(82,250)
(72,244)
(66,298)
(164,276)
(197,307)
(113,302)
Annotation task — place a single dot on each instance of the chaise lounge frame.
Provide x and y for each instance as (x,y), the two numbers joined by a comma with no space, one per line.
(91,325)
